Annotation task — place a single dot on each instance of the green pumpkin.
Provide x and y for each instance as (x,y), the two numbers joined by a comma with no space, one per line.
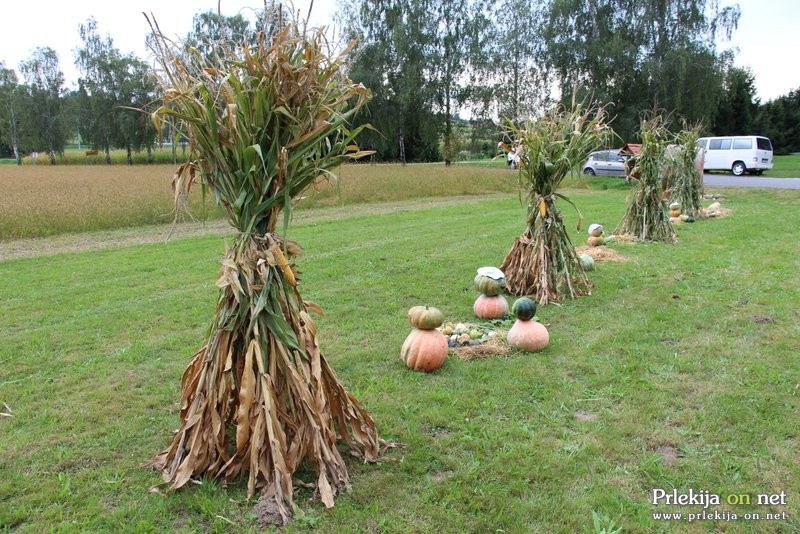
(524,309)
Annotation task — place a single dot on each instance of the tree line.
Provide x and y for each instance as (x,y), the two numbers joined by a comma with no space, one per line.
(427,63)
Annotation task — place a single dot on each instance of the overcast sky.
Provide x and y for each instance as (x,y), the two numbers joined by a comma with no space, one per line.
(768,38)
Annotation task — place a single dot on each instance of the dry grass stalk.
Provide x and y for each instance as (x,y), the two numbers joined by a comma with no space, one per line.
(646,217)
(265,122)
(542,262)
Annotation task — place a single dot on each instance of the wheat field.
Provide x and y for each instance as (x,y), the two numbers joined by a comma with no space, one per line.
(43,200)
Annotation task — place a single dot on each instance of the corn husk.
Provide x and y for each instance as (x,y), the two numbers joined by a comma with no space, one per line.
(265,122)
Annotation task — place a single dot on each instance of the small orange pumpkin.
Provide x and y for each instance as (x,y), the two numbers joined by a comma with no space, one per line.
(595,241)
(424,350)
(487,307)
(425,317)
(528,336)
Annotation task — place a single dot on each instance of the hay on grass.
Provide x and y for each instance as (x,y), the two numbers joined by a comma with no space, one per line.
(494,347)
(602,253)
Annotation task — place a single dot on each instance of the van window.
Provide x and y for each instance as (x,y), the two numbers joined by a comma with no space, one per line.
(713,144)
(702,143)
(763,143)
(742,143)
(725,144)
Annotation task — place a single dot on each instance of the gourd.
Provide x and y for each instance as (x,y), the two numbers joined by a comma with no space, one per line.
(425,348)
(587,262)
(490,281)
(494,307)
(527,334)
(425,317)
(524,309)
(675,209)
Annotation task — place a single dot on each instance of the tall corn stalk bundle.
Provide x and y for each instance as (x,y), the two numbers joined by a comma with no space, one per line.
(542,262)
(646,217)
(681,179)
(264,123)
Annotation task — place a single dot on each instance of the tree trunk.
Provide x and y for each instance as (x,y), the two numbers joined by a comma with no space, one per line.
(130,159)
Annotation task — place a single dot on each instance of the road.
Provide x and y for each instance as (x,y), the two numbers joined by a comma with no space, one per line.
(728,180)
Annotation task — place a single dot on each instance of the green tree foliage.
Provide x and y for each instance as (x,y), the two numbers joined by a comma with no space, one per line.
(738,106)
(10,107)
(43,102)
(113,88)
(642,55)
(779,120)
(394,62)
(514,77)
(212,32)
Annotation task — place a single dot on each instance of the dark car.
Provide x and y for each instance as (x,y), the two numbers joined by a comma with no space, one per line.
(605,163)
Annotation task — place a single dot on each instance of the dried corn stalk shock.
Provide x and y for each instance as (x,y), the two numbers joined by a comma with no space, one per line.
(681,176)
(265,122)
(646,217)
(542,262)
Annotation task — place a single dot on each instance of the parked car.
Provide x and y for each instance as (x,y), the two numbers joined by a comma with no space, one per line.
(605,163)
(739,154)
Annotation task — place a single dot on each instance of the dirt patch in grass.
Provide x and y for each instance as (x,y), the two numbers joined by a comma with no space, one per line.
(668,450)
(585,417)
(438,476)
(762,319)
(268,514)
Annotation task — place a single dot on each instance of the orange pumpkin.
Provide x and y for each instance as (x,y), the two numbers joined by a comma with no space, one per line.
(424,350)
(425,317)
(487,307)
(528,336)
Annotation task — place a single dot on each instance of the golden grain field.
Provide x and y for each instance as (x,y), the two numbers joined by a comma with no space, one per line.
(42,200)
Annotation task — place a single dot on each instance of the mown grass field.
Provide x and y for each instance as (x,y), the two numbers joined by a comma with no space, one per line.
(785,167)
(679,372)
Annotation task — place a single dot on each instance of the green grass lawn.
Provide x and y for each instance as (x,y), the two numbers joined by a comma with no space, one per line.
(785,167)
(681,371)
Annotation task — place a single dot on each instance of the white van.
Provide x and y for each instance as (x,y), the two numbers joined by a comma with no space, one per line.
(738,154)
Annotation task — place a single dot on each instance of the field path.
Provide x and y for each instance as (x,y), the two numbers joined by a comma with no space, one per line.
(106,239)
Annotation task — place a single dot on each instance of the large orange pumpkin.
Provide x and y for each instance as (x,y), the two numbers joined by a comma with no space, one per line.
(424,350)
(528,336)
(487,307)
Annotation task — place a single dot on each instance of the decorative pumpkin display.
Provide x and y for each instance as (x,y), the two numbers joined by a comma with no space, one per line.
(524,309)
(596,230)
(527,334)
(424,350)
(587,262)
(595,235)
(675,209)
(425,317)
(594,241)
(490,281)
(486,307)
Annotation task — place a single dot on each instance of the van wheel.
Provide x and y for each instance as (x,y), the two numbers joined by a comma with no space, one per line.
(738,168)
(589,171)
